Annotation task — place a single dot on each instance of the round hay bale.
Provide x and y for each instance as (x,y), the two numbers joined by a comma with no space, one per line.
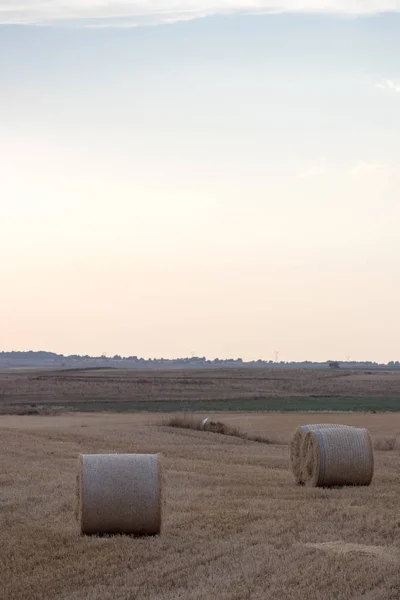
(297,447)
(119,493)
(338,457)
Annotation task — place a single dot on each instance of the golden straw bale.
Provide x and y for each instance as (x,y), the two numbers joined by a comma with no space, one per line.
(119,493)
(297,447)
(338,457)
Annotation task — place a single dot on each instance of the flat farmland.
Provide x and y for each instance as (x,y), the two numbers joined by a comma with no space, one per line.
(235,526)
(203,390)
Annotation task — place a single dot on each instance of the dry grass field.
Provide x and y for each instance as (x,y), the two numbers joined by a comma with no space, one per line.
(234,389)
(235,526)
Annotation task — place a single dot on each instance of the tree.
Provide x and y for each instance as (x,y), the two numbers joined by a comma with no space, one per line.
(333,364)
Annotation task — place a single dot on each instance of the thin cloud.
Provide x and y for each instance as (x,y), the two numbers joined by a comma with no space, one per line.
(367,169)
(388,84)
(134,13)
(315,170)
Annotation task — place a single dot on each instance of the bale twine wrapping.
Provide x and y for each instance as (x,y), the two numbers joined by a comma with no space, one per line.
(119,493)
(338,457)
(297,447)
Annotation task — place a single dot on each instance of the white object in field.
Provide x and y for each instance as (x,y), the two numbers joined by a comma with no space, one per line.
(204,421)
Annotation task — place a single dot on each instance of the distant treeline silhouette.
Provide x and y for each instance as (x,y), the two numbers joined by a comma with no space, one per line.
(31,358)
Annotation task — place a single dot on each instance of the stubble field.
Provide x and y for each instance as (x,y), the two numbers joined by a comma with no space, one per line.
(203,390)
(235,526)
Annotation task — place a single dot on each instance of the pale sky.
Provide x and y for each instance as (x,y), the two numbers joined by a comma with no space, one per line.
(217,177)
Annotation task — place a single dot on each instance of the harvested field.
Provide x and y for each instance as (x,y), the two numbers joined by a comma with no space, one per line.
(235,525)
(203,390)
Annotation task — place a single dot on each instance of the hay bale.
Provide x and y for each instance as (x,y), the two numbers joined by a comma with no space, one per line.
(119,493)
(338,457)
(297,447)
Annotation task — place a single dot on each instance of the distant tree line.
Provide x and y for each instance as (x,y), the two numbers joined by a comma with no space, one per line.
(52,359)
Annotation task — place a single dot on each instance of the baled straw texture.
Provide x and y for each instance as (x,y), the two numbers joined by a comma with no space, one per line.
(297,447)
(338,457)
(120,493)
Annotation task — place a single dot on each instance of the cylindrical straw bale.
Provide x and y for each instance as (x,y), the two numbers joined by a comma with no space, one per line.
(338,457)
(297,447)
(120,493)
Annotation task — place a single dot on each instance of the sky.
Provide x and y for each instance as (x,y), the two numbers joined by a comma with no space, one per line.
(218,178)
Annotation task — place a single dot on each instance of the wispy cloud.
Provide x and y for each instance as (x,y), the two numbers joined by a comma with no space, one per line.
(315,169)
(360,170)
(368,169)
(389,84)
(133,13)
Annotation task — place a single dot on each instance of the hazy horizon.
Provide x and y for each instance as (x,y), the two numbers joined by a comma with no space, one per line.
(132,357)
(225,186)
